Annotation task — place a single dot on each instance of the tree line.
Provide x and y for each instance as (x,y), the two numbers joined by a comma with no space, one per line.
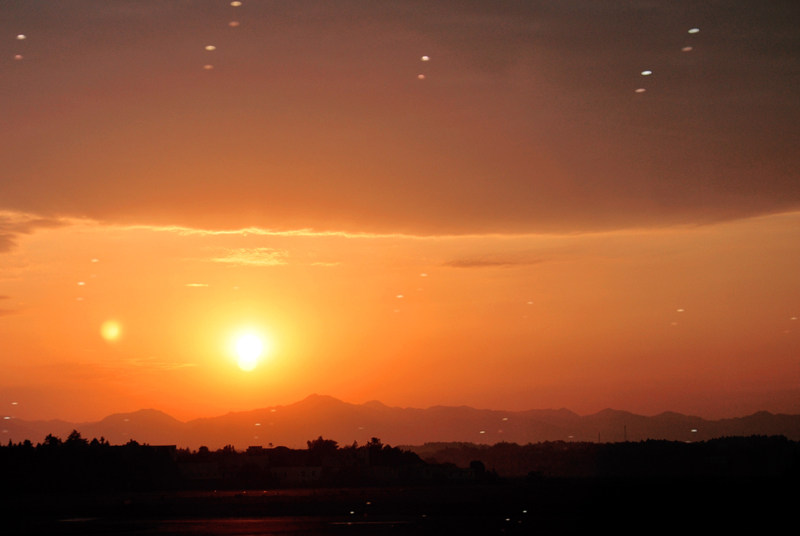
(726,456)
(77,463)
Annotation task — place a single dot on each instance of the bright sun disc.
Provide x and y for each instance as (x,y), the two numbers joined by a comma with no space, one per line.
(248,349)
(110,330)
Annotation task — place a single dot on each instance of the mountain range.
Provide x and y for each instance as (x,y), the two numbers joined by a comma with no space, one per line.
(319,415)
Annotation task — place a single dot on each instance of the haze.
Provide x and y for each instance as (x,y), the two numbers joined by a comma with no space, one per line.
(507,205)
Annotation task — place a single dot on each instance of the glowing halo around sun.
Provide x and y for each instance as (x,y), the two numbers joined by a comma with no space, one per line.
(110,330)
(249,349)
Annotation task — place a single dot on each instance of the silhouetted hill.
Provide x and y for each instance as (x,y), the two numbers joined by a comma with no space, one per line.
(158,427)
(318,415)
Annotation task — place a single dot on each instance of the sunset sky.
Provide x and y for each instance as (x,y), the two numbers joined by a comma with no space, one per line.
(503,204)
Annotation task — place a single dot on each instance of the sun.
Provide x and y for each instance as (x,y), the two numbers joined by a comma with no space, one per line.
(249,348)
(110,330)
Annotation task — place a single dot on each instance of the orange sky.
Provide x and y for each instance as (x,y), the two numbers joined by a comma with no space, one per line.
(517,228)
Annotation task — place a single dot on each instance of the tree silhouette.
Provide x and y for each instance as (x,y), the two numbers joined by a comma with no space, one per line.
(322,446)
(321,449)
(51,441)
(74,440)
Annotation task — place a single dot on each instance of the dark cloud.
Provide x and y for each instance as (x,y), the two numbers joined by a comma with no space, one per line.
(6,242)
(13,224)
(313,116)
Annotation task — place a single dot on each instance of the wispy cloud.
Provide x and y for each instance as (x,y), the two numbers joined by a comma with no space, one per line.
(6,312)
(119,371)
(491,262)
(13,224)
(155,363)
(254,257)
(305,232)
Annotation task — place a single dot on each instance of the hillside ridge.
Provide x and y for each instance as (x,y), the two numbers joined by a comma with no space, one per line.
(323,415)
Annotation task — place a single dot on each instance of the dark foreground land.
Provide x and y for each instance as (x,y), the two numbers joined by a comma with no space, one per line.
(78,487)
(547,506)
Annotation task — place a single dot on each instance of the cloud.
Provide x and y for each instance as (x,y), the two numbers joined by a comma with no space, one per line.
(527,120)
(253,257)
(285,233)
(157,364)
(489,262)
(13,224)
(112,372)
(6,312)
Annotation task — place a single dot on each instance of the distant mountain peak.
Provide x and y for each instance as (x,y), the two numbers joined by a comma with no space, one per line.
(609,412)
(147,415)
(377,404)
(318,404)
(324,415)
(317,399)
